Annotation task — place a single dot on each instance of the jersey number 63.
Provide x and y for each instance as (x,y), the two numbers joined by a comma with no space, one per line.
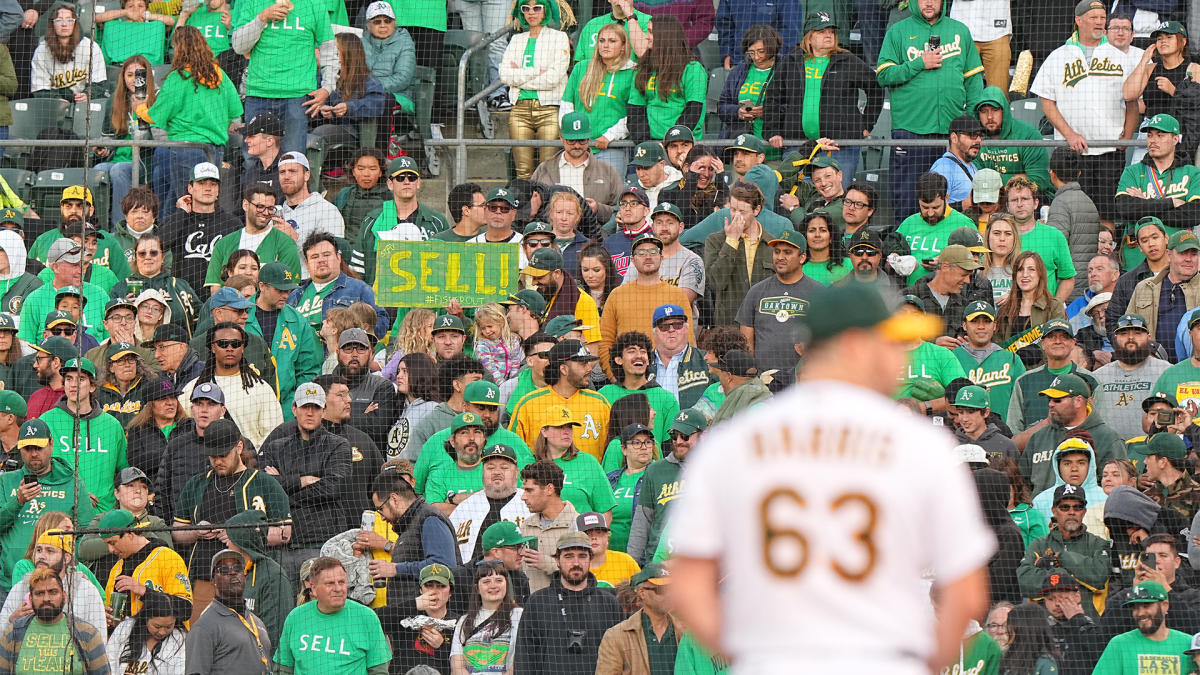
(785,548)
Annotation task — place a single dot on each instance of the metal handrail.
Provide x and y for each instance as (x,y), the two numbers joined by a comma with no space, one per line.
(463,143)
(460,155)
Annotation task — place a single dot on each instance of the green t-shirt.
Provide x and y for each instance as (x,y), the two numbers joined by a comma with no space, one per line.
(1049,243)
(283,64)
(123,39)
(930,360)
(613,454)
(820,272)
(48,649)
(312,303)
(692,659)
(585,485)
(663,115)
(275,246)
(1135,654)
(623,511)
(348,641)
(814,72)
(420,13)
(209,24)
(926,241)
(1182,381)
(527,62)
(587,37)
(609,105)
(450,477)
(752,91)
(662,402)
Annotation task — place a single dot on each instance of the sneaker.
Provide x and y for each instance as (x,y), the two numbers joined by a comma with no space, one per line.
(500,104)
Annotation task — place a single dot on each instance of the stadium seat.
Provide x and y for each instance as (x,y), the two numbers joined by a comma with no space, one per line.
(422,97)
(883,125)
(48,187)
(455,44)
(79,117)
(878,179)
(709,53)
(30,117)
(716,83)
(21,181)
(315,152)
(160,72)
(1028,110)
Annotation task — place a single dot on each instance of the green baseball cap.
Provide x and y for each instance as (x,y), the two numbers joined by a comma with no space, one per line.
(1168,28)
(115,520)
(1147,591)
(436,572)
(448,322)
(119,350)
(648,153)
(7,322)
(499,450)
(79,364)
(1183,240)
(825,162)
(1067,384)
(538,227)
(979,308)
(58,347)
(1166,445)
(465,420)
(791,238)
(59,316)
(13,216)
(834,310)
(401,165)
(543,261)
(117,303)
(502,194)
(972,396)
(969,237)
(647,238)
(1132,321)
(529,299)
(563,324)
(818,21)
(1159,397)
(689,421)
(1163,121)
(654,573)
(1057,324)
(481,392)
(34,432)
(667,207)
(575,126)
(12,403)
(503,533)
(278,276)
(679,133)
(748,143)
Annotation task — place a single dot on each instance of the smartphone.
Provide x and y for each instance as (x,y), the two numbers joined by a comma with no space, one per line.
(1149,560)
(1166,418)
(29,479)
(531,544)
(139,83)
(935,42)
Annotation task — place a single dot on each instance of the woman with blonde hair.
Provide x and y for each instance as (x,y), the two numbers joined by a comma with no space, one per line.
(600,87)
(1004,240)
(535,69)
(565,213)
(412,335)
(1029,303)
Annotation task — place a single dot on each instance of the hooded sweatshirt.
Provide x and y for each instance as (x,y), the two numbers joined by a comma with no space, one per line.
(17,283)
(1012,160)
(992,487)
(190,109)
(268,592)
(1094,519)
(1084,556)
(924,101)
(1129,506)
(17,521)
(101,444)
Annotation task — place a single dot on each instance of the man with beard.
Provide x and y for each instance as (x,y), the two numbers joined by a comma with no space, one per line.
(50,640)
(567,378)
(865,249)
(928,230)
(998,124)
(547,641)
(577,168)
(772,310)
(946,293)
(498,501)
(630,363)
(1165,570)
(47,360)
(985,363)
(53,551)
(1071,411)
(264,233)
(966,138)
(1163,184)
(76,208)
(501,208)
(456,381)
(1122,385)
(1171,485)
(678,142)
(307,212)
(328,286)
(1076,634)
(561,293)
(192,232)
(679,267)
(1150,237)
(1046,241)
(250,399)
(1151,644)
(482,399)
(452,482)
(1164,298)
(228,638)
(1069,547)
(746,152)
(373,399)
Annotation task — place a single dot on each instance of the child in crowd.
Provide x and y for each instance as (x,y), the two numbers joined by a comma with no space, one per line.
(496,346)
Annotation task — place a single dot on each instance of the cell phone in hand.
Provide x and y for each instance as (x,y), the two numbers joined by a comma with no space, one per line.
(935,42)
(1149,560)
(29,479)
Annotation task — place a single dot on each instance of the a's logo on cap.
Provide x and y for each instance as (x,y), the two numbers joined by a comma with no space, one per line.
(446,321)
(1069,489)
(490,393)
(968,395)
(583,352)
(1056,382)
(30,431)
(287,275)
(565,414)
(823,16)
(501,192)
(166,385)
(641,152)
(741,140)
(468,417)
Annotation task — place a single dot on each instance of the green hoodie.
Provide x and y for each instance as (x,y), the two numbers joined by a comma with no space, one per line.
(193,110)
(100,443)
(17,521)
(268,592)
(297,351)
(952,89)
(1010,161)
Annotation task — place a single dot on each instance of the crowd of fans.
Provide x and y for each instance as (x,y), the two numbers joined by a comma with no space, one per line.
(222,454)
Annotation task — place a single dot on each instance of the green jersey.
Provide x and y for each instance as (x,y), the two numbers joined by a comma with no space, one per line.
(41,302)
(283,63)
(210,26)
(451,478)
(587,37)
(661,484)
(524,386)
(1179,182)
(814,72)
(108,252)
(753,88)
(1182,381)
(622,517)
(275,246)
(350,640)
(997,373)
(1135,654)
(433,455)
(930,360)
(1049,243)
(926,241)
(123,38)
(820,272)
(585,485)
(664,114)
(662,402)
(608,107)
(312,302)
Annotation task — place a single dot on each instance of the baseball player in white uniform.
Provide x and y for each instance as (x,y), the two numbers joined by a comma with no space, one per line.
(821,510)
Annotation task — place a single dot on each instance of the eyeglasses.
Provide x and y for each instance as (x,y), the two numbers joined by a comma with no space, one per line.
(576,141)
(481,205)
(126,360)
(229,570)
(630,203)
(864,252)
(151,308)
(406,178)
(149,254)
(499,208)
(639,443)
(380,21)
(756,52)
(120,318)
(163,346)
(69,330)
(228,344)
(647,254)
(671,326)
(532,9)
(264,208)
(855,204)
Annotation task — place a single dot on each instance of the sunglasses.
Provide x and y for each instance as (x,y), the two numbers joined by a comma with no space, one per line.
(678,436)
(149,254)
(229,570)
(864,252)
(406,178)
(539,243)
(672,326)
(69,330)
(499,208)
(229,344)
(532,9)
(1071,507)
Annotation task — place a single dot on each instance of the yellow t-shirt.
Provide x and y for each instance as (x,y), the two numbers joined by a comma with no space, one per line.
(588,315)
(588,406)
(618,567)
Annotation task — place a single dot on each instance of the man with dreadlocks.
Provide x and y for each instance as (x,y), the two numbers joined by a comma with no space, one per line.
(249,398)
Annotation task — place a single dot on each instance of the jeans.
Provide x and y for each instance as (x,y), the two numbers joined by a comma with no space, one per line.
(529,120)
(618,157)
(848,159)
(3,136)
(173,172)
(487,17)
(906,165)
(120,177)
(290,111)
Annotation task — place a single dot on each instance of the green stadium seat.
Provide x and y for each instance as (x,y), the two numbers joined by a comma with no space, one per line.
(21,181)
(48,187)
(878,179)
(30,117)
(80,123)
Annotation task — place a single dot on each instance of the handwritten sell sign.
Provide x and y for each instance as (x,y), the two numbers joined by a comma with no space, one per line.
(431,273)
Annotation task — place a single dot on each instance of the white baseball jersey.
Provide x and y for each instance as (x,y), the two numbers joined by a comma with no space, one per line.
(824,508)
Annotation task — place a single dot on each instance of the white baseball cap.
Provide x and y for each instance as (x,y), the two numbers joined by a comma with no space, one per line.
(380,8)
(205,171)
(294,158)
(309,394)
(971,454)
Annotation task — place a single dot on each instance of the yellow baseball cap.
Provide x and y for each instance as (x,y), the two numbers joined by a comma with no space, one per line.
(76,192)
